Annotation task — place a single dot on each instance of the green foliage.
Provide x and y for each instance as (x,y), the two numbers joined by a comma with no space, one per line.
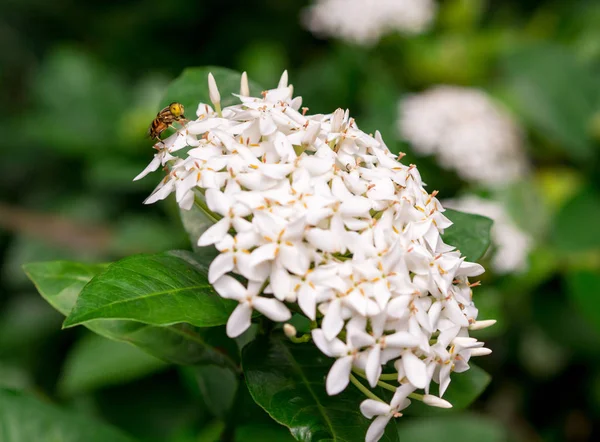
(162,289)
(463,390)
(584,289)
(26,419)
(465,428)
(576,227)
(541,79)
(287,380)
(95,362)
(75,108)
(61,282)
(470,233)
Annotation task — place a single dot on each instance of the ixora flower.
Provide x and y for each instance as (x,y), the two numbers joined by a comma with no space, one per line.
(313,215)
(364,22)
(512,245)
(466,131)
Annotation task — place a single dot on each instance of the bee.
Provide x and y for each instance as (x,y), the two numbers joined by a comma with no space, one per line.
(164,119)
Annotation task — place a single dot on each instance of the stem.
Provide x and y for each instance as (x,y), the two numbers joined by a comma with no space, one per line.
(204,209)
(389,377)
(364,390)
(299,340)
(380,383)
(383,377)
(218,109)
(387,386)
(416,396)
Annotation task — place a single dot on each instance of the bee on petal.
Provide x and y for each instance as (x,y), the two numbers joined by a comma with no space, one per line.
(165,119)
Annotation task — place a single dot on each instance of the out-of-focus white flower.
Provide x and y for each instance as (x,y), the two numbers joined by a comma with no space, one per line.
(466,131)
(512,245)
(364,22)
(313,214)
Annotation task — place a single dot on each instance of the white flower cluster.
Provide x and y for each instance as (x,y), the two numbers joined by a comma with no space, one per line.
(364,22)
(466,131)
(313,212)
(512,245)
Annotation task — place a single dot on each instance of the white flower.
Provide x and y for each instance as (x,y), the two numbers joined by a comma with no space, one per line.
(313,215)
(511,244)
(467,132)
(364,22)
(249,299)
(384,412)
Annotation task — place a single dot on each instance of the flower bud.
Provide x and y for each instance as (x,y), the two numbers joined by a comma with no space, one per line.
(435,401)
(482,351)
(289,330)
(283,81)
(244,86)
(480,325)
(213,90)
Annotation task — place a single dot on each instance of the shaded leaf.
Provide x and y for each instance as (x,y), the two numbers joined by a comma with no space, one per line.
(470,233)
(95,362)
(216,386)
(576,227)
(161,289)
(541,80)
(463,428)
(288,381)
(584,289)
(463,390)
(261,433)
(26,419)
(60,283)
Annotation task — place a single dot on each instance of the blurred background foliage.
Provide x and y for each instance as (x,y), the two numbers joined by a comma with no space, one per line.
(81,81)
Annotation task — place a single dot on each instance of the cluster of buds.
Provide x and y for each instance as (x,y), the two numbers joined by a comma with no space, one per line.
(314,214)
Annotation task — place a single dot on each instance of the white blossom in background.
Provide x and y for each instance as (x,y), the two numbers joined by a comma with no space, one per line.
(312,212)
(467,132)
(364,22)
(512,245)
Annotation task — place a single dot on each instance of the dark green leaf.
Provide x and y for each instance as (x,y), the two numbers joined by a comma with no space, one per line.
(463,428)
(191,88)
(584,289)
(95,362)
(541,81)
(161,289)
(463,390)
(470,233)
(60,283)
(288,381)
(216,386)
(262,432)
(25,419)
(576,227)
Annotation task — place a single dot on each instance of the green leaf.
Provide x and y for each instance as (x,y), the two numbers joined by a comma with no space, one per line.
(541,80)
(161,289)
(261,433)
(60,283)
(288,381)
(584,289)
(576,227)
(470,233)
(95,362)
(26,419)
(463,390)
(217,386)
(463,428)
(191,88)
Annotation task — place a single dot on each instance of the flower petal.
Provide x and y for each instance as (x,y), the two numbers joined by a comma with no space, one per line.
(339,375)
(239,321)
(272,308)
